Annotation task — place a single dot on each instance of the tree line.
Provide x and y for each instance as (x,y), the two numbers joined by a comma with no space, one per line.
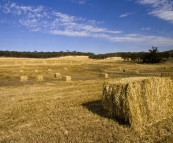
(152,56)
(35,54)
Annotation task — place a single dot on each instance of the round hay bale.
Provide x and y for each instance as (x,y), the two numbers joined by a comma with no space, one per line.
(23,78)
(39,78)
(57,75)
(66,78)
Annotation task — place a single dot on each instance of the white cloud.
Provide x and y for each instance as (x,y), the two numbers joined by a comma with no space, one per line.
(148,28)
(57,23)
(126,14)
(162,9)
(81,2)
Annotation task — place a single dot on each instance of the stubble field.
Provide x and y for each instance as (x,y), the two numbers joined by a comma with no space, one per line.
(53,110)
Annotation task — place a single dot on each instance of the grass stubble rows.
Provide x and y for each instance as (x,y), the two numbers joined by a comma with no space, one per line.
(55,111)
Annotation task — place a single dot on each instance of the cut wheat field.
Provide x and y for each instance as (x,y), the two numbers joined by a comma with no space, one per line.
(50,109)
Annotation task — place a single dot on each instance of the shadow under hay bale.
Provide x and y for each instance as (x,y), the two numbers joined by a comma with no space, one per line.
(57,75)
(23,78)
(66,78)
(105,75)
(39,78)
(139,101)
(96,107)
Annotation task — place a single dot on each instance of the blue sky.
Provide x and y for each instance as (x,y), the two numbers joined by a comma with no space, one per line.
(98,26)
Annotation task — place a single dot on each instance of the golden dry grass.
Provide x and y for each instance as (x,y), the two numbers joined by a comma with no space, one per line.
(57,111)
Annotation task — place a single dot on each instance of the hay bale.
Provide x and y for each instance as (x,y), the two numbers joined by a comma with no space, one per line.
(105,75)
(57,75)
(119,68)
(36,71)
(139,101)
(167,74)
(136,72)
(66,78)
(21,71)
(23,78)
(39,78)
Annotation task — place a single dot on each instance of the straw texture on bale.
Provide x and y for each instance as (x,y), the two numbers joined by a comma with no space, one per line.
(66,78)
(57,75)
(39,78)
(168,74)
(23,78)
(105,75)
(139,101)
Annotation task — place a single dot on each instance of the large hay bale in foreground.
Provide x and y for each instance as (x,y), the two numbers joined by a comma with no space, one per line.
(57,75)
(66,78)
(39,78)
(23,78)
(167,74)
(139,101)
(105,75)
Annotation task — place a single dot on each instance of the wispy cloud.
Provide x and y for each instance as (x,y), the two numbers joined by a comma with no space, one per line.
(50,21)
(125,15)
(148,28)
(162,9)
(81,2)
(53,22)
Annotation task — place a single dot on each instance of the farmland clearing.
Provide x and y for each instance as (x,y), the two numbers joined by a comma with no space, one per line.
(50,109)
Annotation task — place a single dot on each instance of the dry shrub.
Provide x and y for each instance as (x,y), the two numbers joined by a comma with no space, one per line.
(57,75)
(66,78)
(139,101)
(167,74)
(39,78)
(23,78)
(124,70)
(165,67)
(105,75)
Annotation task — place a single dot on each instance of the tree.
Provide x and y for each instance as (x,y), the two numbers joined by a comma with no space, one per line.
(153,56)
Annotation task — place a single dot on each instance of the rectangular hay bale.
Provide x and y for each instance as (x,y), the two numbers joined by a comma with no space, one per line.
(66,78)
(39,78)
(139,101)
(105,75)
(23,78)
(57,75)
